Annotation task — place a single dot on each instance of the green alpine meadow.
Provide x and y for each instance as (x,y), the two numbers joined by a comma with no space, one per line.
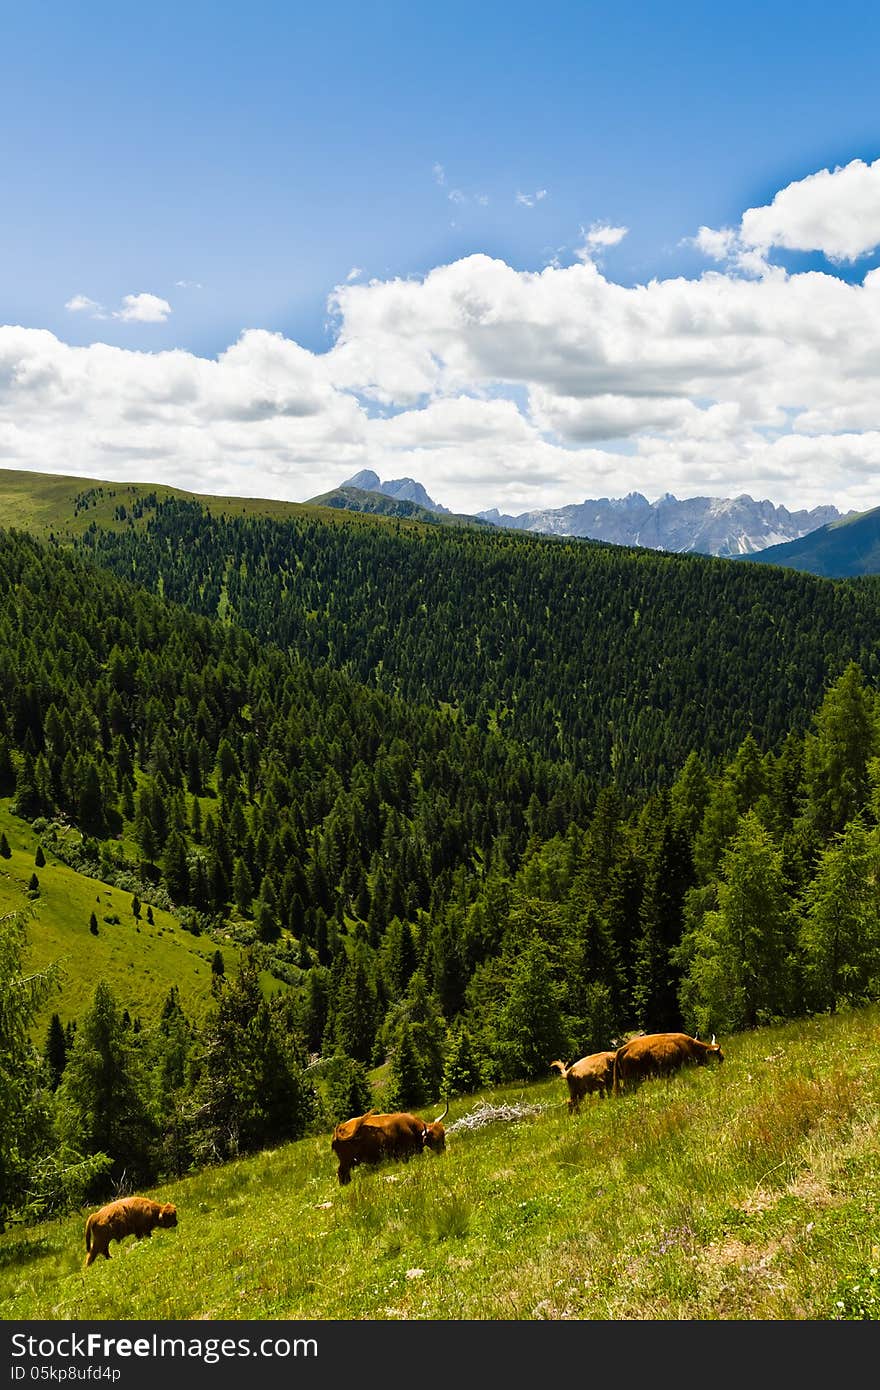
(746,1192)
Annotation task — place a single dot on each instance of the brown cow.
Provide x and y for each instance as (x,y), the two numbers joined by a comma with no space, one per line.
(369,1138)
(593,1073)
(130,1216)
(660,1054)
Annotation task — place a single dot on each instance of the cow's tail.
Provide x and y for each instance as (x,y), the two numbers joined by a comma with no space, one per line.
(89,1232)
(615,1072)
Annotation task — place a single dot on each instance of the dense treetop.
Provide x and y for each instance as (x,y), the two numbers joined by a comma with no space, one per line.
(620,661)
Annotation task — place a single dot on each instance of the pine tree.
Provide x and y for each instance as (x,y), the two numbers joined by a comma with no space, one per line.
(55,1051)
(840,930)
(347,1089)
(355,1009)
(668,876)
(102,1098)
(242,887)
(461,1074)
(33,886)
(5,851)
(837,754)
(740,968)
(24,1127)
(407,1085)
(252,1091)
(39,857)
(530,1027)
(93,924)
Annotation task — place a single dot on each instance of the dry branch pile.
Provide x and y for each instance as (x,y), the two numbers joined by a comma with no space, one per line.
(486,1114)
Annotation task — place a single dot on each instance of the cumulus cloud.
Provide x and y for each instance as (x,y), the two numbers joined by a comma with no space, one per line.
(143,308)
(494,386)
(836,212)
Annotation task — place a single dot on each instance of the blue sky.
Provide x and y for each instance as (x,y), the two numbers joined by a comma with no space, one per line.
(237,162)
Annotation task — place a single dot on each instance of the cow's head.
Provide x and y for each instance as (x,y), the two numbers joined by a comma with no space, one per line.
(715,1049)
(168,1215)
(434,1135)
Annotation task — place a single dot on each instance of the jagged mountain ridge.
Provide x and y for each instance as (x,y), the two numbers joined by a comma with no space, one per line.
(402,489)
(724,526)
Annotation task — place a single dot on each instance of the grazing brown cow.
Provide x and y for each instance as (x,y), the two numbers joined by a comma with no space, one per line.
(593,1073)
(370,1138)
(130,1216)
(660,1054)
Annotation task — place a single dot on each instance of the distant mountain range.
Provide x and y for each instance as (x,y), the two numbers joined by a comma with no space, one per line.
(726,526)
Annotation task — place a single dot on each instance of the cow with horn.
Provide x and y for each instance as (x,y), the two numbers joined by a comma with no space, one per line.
(372,1137)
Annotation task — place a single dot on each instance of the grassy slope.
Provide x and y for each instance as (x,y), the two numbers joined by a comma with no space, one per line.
(745,1192)
(43,504)
(140,962)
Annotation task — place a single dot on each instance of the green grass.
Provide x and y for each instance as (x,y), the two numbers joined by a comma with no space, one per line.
(43,504)
(139,961)
(746,1192)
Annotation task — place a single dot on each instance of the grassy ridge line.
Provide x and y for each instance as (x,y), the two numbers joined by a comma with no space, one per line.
(138,960)
(43,504)
(744,1192)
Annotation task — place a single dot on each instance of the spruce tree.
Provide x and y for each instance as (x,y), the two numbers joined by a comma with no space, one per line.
(55,1051)
(531,1031)
(407,1085)
(102,1098)
(24,1127)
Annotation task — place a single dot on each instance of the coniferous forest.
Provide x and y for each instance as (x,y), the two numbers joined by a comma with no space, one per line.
(472,801)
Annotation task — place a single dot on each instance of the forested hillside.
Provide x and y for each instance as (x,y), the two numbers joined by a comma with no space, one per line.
(619,661)
(436,897)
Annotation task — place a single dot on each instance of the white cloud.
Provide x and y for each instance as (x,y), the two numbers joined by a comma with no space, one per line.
(439,174)
(456,196)
(143,308)
(528,200)
(81,304)
(493,386)
(602,234)
(189,285)
(354,274)
(836,212)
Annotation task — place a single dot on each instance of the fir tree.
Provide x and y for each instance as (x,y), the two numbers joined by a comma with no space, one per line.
(55,1051)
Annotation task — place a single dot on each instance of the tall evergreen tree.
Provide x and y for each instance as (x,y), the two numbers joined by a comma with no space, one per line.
(102,1098)
(24,1127)
(531,1030)
(55,1051)
(840,930)
(739,962)
(837,753)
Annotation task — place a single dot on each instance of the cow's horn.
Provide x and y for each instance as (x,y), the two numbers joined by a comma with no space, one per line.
(445,1112)
(713,1039)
